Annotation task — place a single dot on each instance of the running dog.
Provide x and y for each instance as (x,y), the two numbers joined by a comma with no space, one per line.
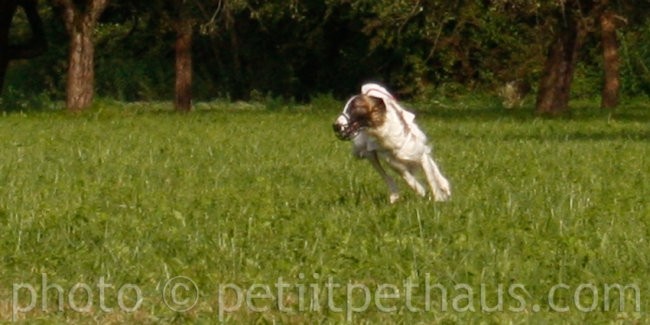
(379,127)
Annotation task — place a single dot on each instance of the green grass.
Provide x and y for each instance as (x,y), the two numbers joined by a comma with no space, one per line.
(236,194)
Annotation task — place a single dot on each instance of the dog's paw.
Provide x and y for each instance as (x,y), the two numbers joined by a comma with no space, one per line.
(442,194)
(442,197)
(393,198)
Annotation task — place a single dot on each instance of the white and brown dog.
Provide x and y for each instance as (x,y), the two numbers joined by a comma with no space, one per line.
(378,126)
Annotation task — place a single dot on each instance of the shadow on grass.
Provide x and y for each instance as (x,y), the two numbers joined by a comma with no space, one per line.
(470,108)
(584,136)
(635,113)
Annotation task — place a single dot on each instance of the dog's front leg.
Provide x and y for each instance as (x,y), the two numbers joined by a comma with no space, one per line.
(392,186)
(438,183)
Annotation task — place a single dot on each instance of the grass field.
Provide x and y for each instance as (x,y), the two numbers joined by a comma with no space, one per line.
(243,214)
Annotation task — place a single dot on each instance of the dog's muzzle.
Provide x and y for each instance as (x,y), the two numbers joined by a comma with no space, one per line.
(344,129)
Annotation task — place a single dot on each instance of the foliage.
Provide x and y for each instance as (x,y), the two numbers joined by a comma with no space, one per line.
(636,59)
(45,73)
(298,49)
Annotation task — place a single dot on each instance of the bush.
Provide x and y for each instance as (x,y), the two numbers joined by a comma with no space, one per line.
(635,54)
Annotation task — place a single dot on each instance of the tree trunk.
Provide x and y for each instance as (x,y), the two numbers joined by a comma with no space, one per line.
(80,25)
(240,76)
(183,91)
(81,69)
(611,60)
(7,11)
(555,86)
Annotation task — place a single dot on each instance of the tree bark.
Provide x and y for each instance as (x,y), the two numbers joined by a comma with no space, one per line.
(80,25)
(81,69)
(183,47)
(611,60)
(555,86)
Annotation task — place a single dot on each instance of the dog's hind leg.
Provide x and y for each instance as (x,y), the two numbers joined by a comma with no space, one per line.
(392,186)
(438,183)
(407,174)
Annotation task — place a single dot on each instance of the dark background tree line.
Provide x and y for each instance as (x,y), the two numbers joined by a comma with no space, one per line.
(190,49)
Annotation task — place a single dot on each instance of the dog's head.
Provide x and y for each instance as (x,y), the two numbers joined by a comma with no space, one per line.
(361,111)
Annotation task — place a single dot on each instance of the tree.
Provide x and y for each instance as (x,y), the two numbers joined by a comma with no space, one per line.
(179,17)
(184,15)
(297,49)
(33,48)
(574,20)
(80,18)
(555,85)
(611,60)
(425,43)
(183,27)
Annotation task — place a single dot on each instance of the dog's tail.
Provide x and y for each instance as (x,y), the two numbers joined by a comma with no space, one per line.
(438,183)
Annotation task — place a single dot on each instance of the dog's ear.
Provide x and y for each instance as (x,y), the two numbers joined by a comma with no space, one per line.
(359,109)
(368,111)
(377,105)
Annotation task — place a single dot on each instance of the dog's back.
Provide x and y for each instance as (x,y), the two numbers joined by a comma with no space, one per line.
(402,137)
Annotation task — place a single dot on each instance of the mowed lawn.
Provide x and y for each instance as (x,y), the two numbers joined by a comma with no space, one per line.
(240,214)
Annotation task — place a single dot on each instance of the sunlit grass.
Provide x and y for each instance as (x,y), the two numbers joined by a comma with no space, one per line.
(240,195)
